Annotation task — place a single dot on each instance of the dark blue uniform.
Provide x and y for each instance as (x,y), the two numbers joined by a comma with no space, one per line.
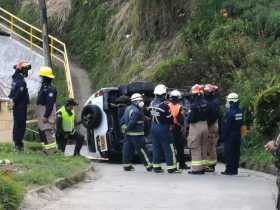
(19,95)
(214,110)
(47,97)
(231,136)
(46,101)
(133,122)
(160,131)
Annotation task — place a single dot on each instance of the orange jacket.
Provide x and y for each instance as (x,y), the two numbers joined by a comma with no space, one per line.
(175,110)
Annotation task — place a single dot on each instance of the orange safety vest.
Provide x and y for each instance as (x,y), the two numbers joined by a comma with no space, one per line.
(175,110)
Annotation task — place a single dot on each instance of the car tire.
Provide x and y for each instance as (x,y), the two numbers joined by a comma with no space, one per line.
(91,116)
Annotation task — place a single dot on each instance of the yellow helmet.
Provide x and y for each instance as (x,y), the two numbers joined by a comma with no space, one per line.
(46,72)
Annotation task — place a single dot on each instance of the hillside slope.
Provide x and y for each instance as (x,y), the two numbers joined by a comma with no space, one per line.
(232,43)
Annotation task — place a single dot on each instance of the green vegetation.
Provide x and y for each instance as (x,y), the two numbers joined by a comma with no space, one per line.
(11,194)
(232,43)
(30,169)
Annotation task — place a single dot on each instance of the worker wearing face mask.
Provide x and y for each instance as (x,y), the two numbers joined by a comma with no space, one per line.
(133,127)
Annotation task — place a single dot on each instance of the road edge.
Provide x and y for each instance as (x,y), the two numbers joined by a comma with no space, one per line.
(59,185)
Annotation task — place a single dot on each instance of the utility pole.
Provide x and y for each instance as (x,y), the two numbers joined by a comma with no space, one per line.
(45,34)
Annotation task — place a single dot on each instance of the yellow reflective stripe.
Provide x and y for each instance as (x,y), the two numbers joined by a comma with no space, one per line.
(171,167)
(146,157)
(135,133)
(173,154)
(211,162)
(140,122)
(156,165)
(197,162)
(49,146)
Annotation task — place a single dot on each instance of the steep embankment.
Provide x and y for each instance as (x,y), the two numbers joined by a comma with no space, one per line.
(233,43)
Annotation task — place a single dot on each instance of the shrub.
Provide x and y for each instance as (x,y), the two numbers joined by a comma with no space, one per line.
(11,194)
(267,111)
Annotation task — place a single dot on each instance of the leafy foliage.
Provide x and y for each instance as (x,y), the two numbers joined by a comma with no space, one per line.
(11,194)
(267,111)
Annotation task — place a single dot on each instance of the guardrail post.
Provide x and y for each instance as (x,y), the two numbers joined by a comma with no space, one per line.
(12,24)
(31,38)
(52,47)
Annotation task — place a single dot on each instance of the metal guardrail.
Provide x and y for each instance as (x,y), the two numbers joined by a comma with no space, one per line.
(31,35)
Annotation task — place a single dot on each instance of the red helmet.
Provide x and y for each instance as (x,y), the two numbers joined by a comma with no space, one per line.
(197,89)
(210,88)
(22,65)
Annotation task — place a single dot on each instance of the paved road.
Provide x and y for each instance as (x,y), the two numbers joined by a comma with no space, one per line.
(114,189)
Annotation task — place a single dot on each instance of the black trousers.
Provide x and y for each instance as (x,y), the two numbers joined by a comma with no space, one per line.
(135,143)
(19,114)
(179,142)
(232,153)
(63,137)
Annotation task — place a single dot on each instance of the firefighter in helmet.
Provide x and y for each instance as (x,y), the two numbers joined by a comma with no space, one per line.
(179,128)
(20,100)
(198,134)
(46,109)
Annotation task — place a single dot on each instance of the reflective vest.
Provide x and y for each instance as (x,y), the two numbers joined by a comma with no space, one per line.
(175,110)
(68,121)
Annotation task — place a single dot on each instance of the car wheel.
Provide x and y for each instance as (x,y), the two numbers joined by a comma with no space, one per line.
(91,116)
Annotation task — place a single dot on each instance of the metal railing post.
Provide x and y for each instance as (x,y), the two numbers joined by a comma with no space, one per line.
(12,24)
(31,38)
(52,47)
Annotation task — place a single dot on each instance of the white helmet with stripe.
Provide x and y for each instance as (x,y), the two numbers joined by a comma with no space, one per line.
(176,94)
(136,97)
(160,90)
(233,97)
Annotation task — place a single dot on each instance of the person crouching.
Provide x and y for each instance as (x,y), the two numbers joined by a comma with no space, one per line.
(65,125)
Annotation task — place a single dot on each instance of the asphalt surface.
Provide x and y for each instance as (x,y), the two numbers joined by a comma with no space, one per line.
(113,189)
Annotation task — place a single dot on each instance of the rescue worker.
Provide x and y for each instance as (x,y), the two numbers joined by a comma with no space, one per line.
(46,110)
(274,148)
(133,128)
(210,93)
(231,134)
(65,127)
(20,100)
(162,139)
(178,129)
(198,134)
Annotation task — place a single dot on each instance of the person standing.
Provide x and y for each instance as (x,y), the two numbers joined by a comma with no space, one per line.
(46,109)
(160,130)
(133,127)
(65,127)
(198,134)
(274,148)
(178,129)
(210,93)
(20,100)
(231,134)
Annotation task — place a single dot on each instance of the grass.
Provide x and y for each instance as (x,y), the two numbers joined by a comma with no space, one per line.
(31,169)
(35,169)
(256,158)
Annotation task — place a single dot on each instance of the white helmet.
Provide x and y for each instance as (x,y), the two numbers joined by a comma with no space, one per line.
(176,94)
(232,97)
(136,97)
(160,90)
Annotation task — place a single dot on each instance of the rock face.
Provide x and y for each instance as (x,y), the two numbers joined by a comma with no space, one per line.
(8,58)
